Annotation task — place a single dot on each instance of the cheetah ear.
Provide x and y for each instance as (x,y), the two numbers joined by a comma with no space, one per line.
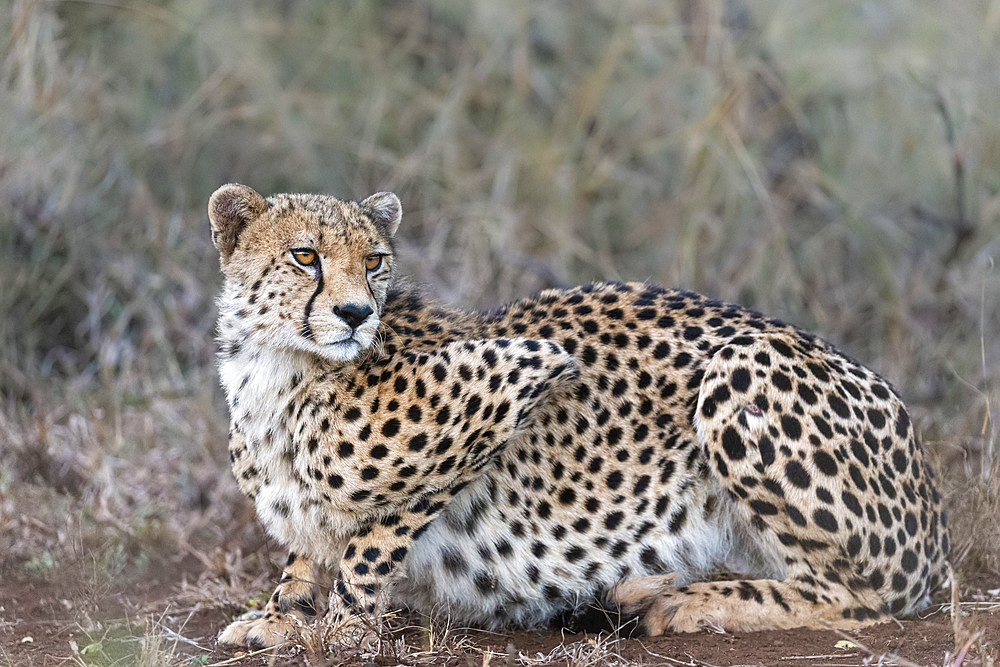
(230,209)
(385,210)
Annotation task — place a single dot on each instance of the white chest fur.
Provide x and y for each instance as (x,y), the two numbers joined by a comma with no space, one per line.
(260,383)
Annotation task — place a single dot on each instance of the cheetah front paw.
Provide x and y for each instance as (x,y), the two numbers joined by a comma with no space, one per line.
(350,630)
(655,602)
(285,617)
(263,629)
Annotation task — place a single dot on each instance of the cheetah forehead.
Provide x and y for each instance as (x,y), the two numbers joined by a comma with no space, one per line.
(323,222)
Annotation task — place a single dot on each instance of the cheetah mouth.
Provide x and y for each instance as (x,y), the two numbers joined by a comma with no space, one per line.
(344,343)
(339,345)
(339,351)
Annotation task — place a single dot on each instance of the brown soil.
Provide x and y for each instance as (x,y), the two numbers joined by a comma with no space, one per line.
(86,620)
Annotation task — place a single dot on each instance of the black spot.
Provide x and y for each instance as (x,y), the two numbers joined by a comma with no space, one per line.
(472,407)
(797,475)
(781,381)
(838,406)
(453,561)
(443,415)
(824,463)
(902,423)
(781,347)
(763,507)
(390,428)
(825,520)
(884,516)
(795,515)
(650,558)
(485,583)
(854,545)
(909,561)
(766,449)
(678,520)
(740,380)
(641,485)
(791,426)
(733,445)
(899,461)
(876,417)
(823,426)
(859,453)
(852,503)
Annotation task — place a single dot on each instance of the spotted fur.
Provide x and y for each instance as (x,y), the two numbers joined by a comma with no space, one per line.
(609,445)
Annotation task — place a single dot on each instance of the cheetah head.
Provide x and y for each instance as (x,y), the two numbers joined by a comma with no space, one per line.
(304,272)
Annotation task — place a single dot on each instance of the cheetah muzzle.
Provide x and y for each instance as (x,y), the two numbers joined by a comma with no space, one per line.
(605,446)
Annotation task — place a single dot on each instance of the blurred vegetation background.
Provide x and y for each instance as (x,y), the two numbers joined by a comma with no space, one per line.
(833,164)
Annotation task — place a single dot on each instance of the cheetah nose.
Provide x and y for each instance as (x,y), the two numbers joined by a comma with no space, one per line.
(353,313)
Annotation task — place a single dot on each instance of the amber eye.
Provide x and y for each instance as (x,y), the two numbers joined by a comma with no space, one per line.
(372,262)
(304,256)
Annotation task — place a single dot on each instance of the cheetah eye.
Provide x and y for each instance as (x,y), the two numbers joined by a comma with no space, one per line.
(373,262)
(304,256)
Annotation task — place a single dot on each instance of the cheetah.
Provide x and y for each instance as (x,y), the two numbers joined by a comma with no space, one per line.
(600,449)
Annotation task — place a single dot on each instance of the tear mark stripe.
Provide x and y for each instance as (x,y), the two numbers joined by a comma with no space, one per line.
(306,329)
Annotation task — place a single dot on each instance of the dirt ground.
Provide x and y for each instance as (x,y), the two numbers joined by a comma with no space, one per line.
(171,615)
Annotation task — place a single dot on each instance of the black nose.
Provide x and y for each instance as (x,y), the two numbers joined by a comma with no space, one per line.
(353,313)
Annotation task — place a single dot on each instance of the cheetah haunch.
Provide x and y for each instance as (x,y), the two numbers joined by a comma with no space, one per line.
(608,446)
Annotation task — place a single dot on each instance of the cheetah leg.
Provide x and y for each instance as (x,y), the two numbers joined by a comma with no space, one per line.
(741,606)
(284,615)
(803,440)
(362,587)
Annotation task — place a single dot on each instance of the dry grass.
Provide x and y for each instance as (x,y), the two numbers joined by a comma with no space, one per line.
(835,165)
